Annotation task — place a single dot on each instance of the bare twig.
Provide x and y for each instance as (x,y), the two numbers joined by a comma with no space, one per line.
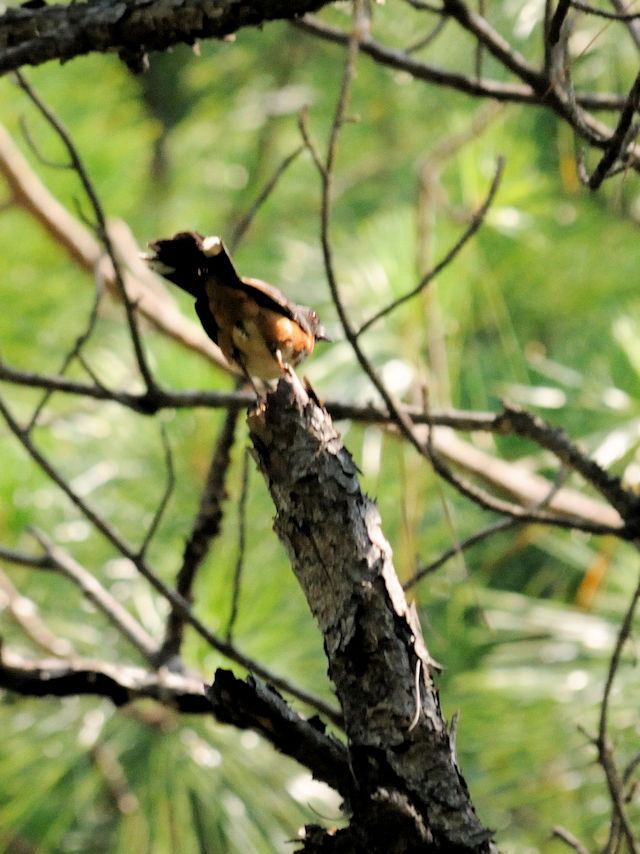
(511,92)
(25,613)
(122,684)
(633,26)
(619,140)
(162,506)
(179,603)
(483,534)
(479,47)
(557,21)
(91,588)
(75,352)
(431,36)
(205,528)
(569,839)
(42,561)
(244,223)
(102,230)
(512,421)
(478,537)
(242,526)
(33,145)
(151,297)
(554,439)
(602,13)
(400,416)
(603,740)
(476,221)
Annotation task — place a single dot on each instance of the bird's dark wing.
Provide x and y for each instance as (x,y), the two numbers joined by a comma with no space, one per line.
(208,321)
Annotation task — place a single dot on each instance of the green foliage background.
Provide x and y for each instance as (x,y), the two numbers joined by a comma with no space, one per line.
(541,307)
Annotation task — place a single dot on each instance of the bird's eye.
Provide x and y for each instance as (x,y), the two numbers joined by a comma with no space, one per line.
(313,315)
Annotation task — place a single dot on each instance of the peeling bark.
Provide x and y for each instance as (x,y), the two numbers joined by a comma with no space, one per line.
(407,792)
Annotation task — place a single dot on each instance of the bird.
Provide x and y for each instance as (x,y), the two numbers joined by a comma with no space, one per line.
(258,329)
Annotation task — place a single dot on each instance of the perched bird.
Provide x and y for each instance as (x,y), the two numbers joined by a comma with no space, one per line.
(254,324)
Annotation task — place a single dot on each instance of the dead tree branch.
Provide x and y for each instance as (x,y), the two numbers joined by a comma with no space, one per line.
(406,780)
(122,684)
(253,705)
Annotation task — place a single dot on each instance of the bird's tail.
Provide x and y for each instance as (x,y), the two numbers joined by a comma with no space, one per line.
(181,259)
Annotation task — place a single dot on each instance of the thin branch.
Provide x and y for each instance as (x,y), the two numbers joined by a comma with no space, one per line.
(516,422)
(479,47)
(452,551)
(178,602)
(400,417)
(557,21)
(253,705)
(91,588)
(153,300)
(307,139)
(601,13)
(242,541)
(147,403)
(603,741)
(497,505)
(241,227)
(569,839)
(399,59)
(74,353)
(206,527)
(33,145)
(25,613)
(42,561)
(476,221)
(633,27)
(483,534)
(619,139)
(168,490)
(122,684)
(103,233)
(431,36)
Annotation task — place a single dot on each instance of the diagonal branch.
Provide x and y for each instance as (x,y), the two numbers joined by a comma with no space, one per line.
(620,138)
(205,528)
(168,593)
(603,741)
(254,705)
(91,588)
(152,299)
(476,221)
(101,229)
(407,785)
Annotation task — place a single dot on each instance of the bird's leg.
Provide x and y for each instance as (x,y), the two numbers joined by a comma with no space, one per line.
(240,360)
(284,369)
